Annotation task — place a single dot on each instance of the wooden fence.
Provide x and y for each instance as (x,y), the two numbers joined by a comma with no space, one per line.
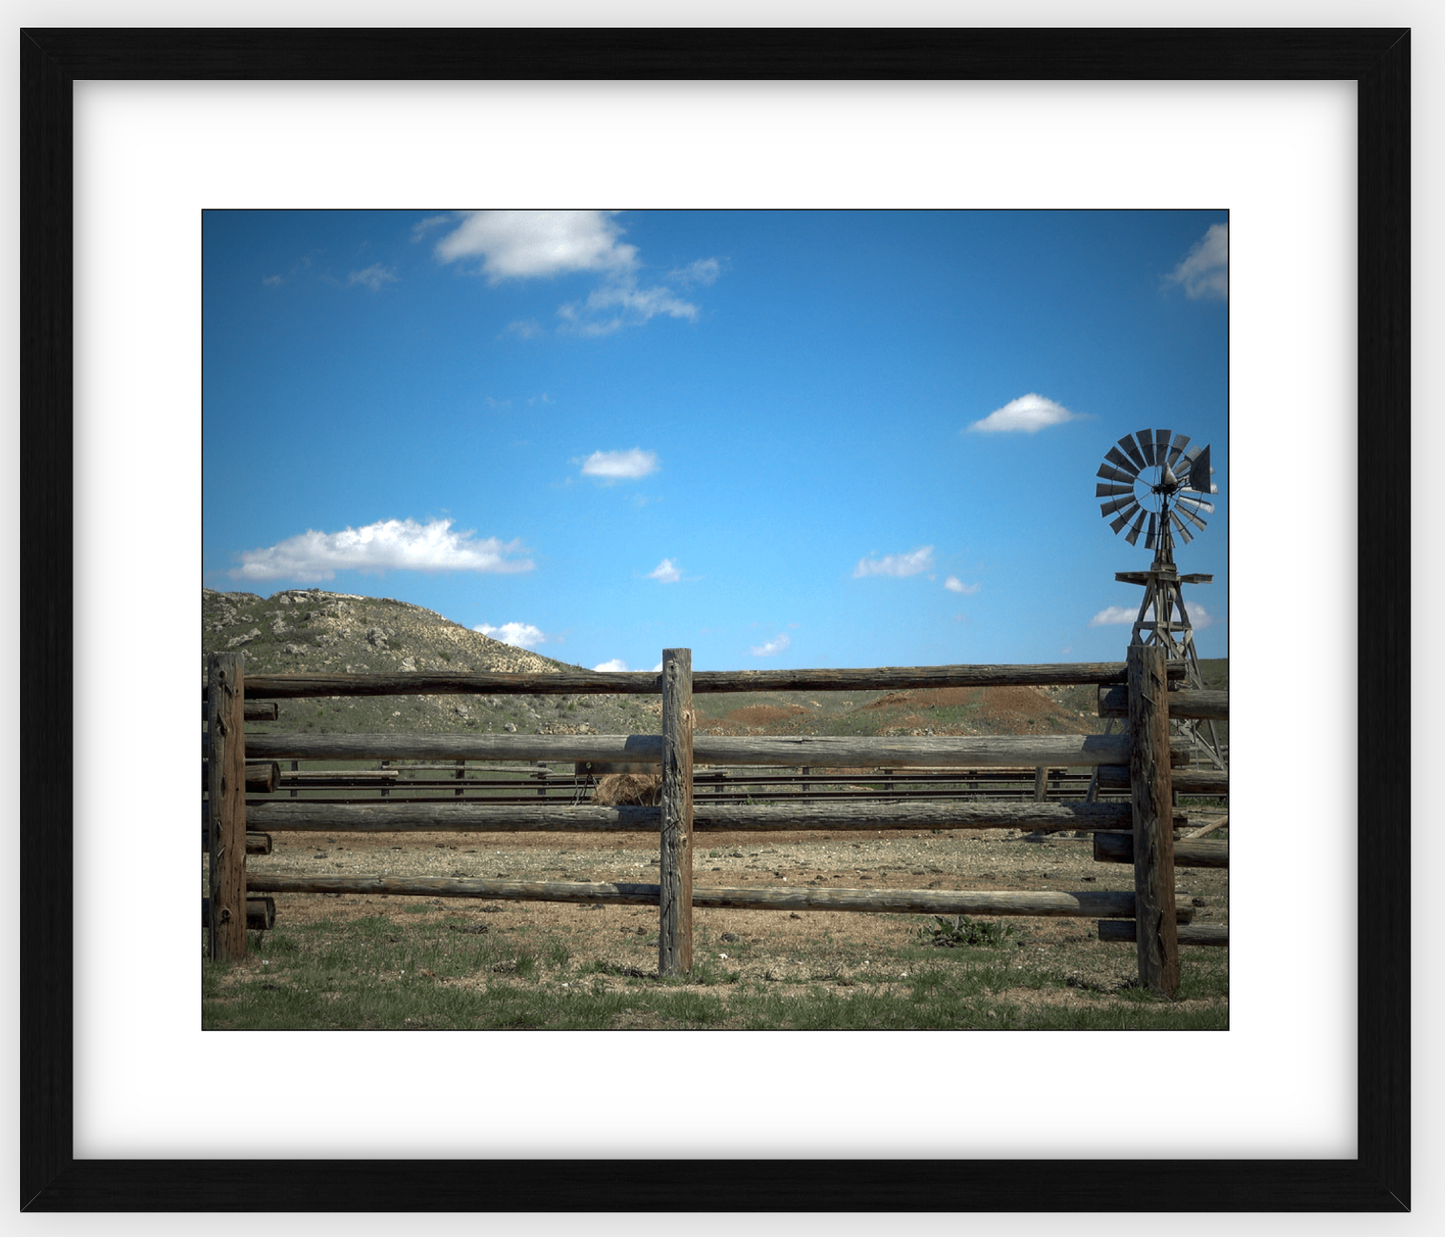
(1140,830)
(421,781)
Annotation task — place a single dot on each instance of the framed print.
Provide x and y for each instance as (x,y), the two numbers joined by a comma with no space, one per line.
(56,64)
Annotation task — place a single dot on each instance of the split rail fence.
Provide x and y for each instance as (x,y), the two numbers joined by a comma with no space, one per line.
(1139,830)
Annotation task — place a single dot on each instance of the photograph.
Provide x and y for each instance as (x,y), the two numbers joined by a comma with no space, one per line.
(800,510)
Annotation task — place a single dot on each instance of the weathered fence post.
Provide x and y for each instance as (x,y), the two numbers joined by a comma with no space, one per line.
(674,938)
(1151,788)
(226,780)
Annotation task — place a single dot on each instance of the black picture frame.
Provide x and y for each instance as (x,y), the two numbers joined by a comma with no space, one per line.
(52,1179)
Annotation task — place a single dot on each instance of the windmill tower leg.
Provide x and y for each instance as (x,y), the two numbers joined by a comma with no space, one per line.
(1170,626)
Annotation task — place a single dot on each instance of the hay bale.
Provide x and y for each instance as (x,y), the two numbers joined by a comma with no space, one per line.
(626,789)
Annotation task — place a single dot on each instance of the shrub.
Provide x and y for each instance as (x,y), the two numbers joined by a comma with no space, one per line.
(948,932)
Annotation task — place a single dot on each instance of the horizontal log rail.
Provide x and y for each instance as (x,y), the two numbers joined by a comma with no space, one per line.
(256,843)
(1126,930)
(255,710)
(446,816)
(800,797)
(585,683)
(1185,781)
(703,779)
(260,913)
(1087,904)
(449,816)
(1188,853)
(714,785)
(261,777)
(814,751)
(719,787)
(1200,705)
(865,773)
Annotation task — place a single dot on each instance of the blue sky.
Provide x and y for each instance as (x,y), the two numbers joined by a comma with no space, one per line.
(781,439)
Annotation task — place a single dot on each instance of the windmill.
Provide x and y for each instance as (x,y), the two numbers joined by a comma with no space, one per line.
(1155,484)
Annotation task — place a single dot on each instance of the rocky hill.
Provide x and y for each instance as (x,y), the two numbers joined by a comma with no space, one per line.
(308,629)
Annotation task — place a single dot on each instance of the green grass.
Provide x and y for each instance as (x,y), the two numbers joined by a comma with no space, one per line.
(456,973)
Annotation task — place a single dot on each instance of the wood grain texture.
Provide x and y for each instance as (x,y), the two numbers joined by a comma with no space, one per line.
(448,816)
(1119,848)
(1085,904)
(583,682)
(1187,934)
(441,816)
(1201,705)
(261,778)
(226,772)
(674,937)
(959,752)
(1152,791)
(256,843)
(260,914)
(256,710)
(1187,781)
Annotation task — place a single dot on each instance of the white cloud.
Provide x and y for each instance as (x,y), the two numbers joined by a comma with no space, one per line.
(773,647)
(493,402)
(644,302)
(527,244)
(1113,614)
(1026,415)
(637,305)
(522,635)
(908,564)
(530,244)
(704,271)
(426,225)
(527,328)
(1205,270)
(619,465)
(615,665)
(374,277)
(666,571)
(401,545)
(594,330)
(1199,617)
(954,585)
(273,281)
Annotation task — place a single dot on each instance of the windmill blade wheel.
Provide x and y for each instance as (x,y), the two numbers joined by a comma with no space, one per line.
(1150,479)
